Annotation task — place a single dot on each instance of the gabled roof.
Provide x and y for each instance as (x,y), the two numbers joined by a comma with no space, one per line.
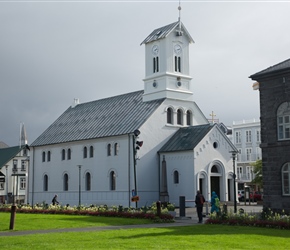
(3,145)
(273,69)
(186,138)
(164,31)
(6,154)
(111,116)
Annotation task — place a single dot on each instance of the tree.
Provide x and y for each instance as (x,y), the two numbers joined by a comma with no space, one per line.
(258,173)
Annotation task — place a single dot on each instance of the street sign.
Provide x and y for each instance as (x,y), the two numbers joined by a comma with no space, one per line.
(135,198)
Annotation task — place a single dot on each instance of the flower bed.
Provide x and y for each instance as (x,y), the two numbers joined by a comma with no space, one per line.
(264,219)
(93,210)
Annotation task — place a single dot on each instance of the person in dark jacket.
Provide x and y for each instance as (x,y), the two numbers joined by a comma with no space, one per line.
(199,200)
(54,200)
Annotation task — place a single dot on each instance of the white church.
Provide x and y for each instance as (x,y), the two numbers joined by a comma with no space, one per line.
(154,143)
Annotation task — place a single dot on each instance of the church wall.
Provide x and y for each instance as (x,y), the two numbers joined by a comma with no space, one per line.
(99,167)
(155,133)
(214,150)
(182,162)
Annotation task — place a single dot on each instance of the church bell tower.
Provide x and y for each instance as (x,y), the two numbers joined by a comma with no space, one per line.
(167,63)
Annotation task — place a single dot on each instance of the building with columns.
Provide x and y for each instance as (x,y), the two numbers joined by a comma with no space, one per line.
(246,136)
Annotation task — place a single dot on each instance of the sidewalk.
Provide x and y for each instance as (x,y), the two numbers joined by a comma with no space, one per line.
(189,220)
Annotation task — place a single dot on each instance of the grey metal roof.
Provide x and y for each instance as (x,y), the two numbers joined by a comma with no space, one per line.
(186,138)
(165,31)
(273,69)
(111,116)
(6,154)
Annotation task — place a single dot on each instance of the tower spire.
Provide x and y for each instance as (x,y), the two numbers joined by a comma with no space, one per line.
(23,137)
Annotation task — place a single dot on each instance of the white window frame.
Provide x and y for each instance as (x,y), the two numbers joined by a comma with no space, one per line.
(286,178)
(283,121)
(248,136)
(22,183)
(248,154)
(238,137)
(258,133)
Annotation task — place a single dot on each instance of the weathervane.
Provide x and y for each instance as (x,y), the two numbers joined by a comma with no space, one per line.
(179,20)
(179,9)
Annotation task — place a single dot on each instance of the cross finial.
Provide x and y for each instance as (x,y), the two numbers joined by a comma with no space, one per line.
(212,117)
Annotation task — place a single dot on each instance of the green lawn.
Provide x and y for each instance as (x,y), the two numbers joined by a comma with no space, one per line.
(187,237)
(56,221)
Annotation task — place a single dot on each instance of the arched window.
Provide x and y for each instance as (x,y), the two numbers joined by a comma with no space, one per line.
(109,150)
(214,169)
(88,181)
(116,148)
(283,121)
(48,156)
(91,151)
(45,183)
(169,116)
(85,152)
(43,156)
(175,177)
(112,180)
(65,182)
(188,117)
(286,179)
(69,154)
(63,154)
(179,117)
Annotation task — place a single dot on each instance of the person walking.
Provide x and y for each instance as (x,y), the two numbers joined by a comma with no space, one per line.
(215,203)
(54,200)
(199,200)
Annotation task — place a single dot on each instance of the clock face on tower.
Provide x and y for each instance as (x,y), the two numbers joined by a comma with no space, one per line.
(177,49)
(155,50)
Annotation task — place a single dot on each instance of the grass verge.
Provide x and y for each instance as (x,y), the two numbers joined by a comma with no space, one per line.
(188,237)
(57,221)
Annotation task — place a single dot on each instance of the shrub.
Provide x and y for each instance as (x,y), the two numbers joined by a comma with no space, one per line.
(93,210)
(264,219)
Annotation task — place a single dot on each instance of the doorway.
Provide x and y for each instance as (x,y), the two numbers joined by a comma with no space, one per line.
(215,185)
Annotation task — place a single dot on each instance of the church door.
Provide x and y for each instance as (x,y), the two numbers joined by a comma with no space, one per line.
(215,184)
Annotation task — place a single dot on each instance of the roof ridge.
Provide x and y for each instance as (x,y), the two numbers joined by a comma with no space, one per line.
(276,67)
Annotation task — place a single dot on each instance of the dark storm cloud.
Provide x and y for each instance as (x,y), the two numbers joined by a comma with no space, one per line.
(53,52)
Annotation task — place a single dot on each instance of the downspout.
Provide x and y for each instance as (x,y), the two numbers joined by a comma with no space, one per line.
(129,174)
(32,191)
(158,175)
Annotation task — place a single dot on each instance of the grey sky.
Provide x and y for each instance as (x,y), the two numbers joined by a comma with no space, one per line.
(52,52)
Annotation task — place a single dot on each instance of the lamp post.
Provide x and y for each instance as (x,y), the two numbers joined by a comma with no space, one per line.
(13,207)
(136,146)
(80,166)
(6,166)
(234,177)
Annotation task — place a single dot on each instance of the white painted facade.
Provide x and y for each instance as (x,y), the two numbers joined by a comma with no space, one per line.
(15,171)
(195,169)
(193,166)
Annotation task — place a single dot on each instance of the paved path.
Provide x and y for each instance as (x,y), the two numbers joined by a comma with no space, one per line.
(189,220)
